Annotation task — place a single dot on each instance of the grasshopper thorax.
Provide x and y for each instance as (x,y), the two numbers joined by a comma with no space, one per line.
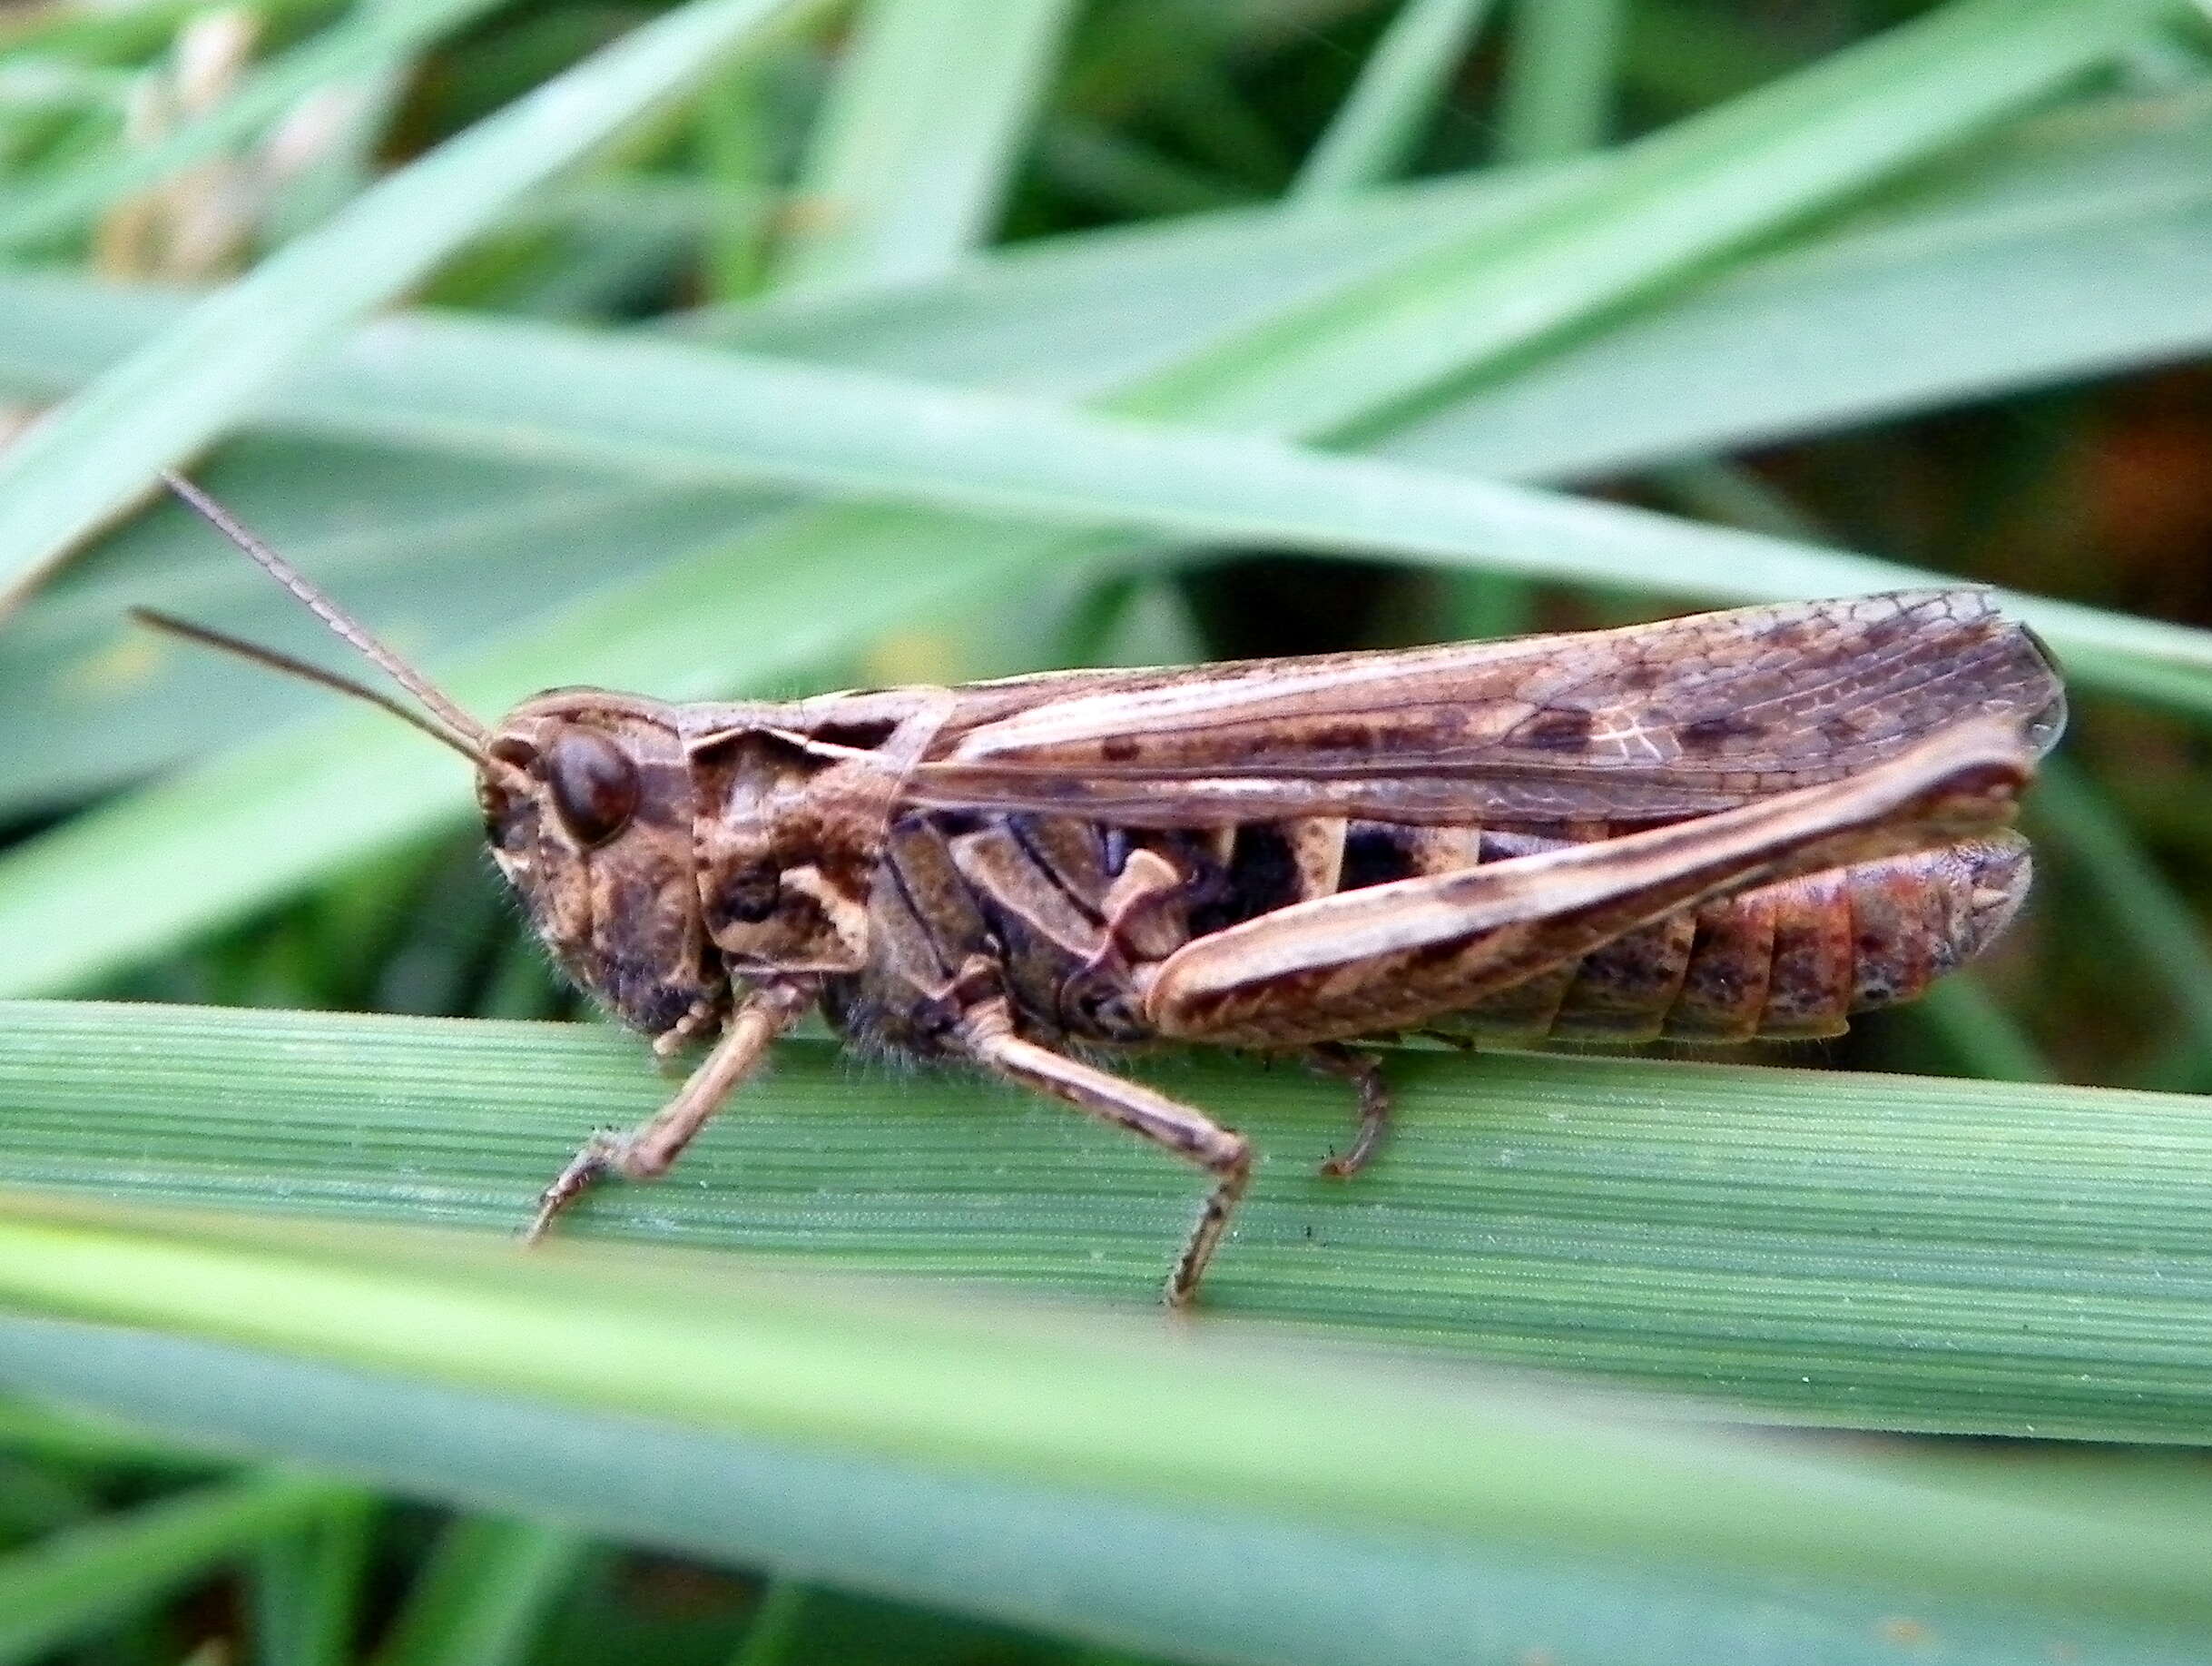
(589,809)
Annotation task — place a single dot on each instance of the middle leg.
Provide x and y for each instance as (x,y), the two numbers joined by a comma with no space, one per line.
(1364,1073)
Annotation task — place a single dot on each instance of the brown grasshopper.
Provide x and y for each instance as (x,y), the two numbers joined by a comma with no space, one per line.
(1739,824)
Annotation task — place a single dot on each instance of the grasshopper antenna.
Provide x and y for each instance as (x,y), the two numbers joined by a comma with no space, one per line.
(300,669)
(455,726)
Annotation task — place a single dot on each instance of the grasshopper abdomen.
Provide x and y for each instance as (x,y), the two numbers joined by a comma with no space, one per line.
(1033,896)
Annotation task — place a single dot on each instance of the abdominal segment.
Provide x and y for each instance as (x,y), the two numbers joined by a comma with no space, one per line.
(1785,962)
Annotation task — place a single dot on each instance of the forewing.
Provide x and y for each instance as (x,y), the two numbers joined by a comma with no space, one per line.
(1647,724)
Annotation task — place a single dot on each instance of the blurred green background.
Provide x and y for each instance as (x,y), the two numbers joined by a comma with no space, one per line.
(756,346)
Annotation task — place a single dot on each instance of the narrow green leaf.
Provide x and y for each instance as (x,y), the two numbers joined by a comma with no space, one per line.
(111,34)
(2018,1258)
(1960,296)
(92,454)
(913,153)
(737,155)
(1222,1581)
(79,1582)
(1561,65)
(308,1587)
(1664,206)
(1983,1035)
(986,1390)
(2161,926)
(525,393)
(774,1627)
(1371,135)
(356,113)
(365,41)
(483,1596)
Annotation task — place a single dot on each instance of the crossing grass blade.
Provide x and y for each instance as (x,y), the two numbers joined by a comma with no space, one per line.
(912,156)
(1235,1582)
(1369,139)
(365,42)
(77,1583)
(1475,303)
(481,1599)
(92,456)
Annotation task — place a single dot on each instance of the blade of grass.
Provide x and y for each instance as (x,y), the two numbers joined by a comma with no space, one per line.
(2161,925)
(118,33)
(529,393)
(1666,205)
(737,157)
(91,456)
(2018,1259)
(775,1625)
(987,1391)
(912,153)
(1560,70)
(369,38)
(327,142)
(1980,1034)
(1097,164)
(1953,298)
(483,1596)
(1220,1583)
(1375,131)
(2012,227)
(79,1582)
(307,1587)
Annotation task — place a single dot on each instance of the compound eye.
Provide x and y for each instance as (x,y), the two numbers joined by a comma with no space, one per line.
(594,783)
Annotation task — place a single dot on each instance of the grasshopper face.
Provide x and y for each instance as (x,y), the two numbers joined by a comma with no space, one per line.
(588,808)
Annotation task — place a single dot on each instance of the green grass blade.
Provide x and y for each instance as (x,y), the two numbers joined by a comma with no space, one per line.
(92,456)
(308,1587)
(530,393)
(353,117)
(369,38)
(2159,924)
(1965,294)
(2019,1258)
(1984,1038)
(738,158)
(1224,1582)
(990,1392)
(2071,253)
(78,1582)
(115,34)
(913,153)
(1374,133)
(774,1627)
(483,1596)
(1560,63)
(1678,200)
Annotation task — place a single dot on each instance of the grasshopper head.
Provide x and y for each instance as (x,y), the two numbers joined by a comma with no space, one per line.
(587,799)
(589,808)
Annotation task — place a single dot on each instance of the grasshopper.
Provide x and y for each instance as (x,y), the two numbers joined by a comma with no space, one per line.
(1729,826)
